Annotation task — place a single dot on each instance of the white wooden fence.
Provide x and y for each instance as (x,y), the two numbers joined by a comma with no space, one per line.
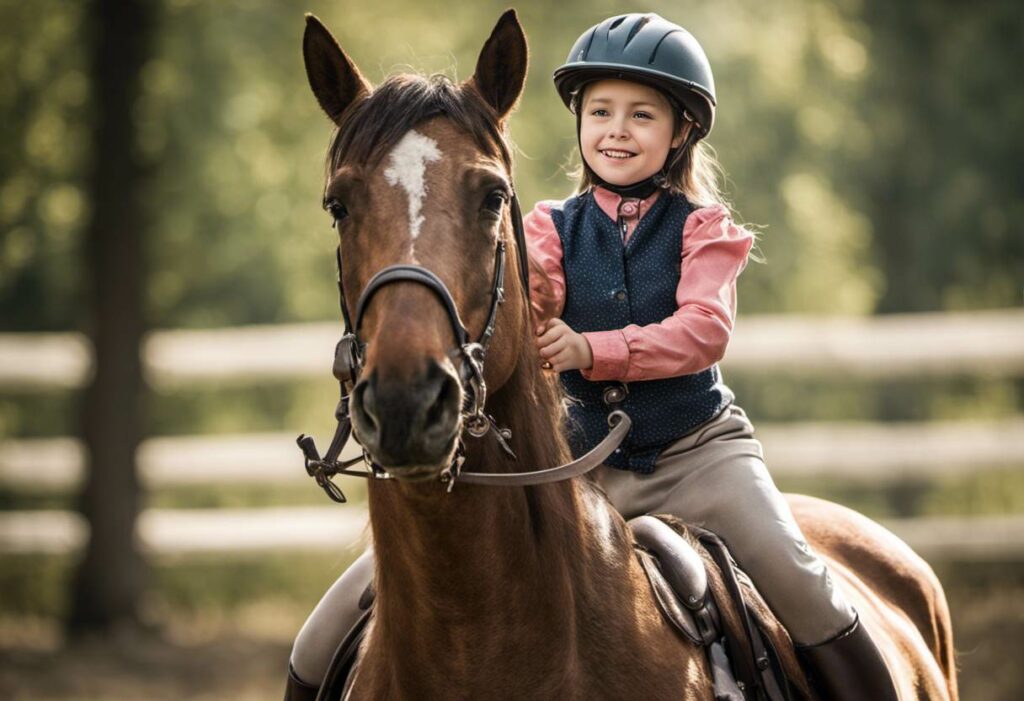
(976,343)
(982,343)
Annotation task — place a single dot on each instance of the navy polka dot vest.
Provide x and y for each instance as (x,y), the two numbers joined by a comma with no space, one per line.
(610,286)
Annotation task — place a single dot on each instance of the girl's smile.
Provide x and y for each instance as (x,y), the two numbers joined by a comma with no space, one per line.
(626,131)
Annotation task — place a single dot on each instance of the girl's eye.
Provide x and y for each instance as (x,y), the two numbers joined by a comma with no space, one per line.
(495,200)
(337,210)
(643,115)
(599,113)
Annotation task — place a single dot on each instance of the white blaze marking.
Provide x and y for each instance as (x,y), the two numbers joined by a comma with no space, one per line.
(408,165)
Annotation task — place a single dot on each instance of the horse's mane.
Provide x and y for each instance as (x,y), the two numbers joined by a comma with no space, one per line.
(371,126)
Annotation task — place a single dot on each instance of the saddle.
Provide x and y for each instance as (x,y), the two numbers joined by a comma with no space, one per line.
(712,603)
(702,593)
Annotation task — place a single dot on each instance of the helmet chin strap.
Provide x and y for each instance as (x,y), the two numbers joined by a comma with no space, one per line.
(641,190)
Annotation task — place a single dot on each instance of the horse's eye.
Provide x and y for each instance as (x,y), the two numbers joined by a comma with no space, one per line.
(495,201)
(337,210)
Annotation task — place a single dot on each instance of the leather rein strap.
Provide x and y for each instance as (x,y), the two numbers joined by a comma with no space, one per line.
(349,359)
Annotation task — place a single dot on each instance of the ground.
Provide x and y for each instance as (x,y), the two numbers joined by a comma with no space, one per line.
(205,656)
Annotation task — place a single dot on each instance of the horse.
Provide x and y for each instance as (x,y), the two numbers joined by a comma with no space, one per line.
(516,591)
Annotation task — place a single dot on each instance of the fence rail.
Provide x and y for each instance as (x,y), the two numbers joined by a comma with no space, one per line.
(336,528)
(986,343)
(193,531)
(862,452)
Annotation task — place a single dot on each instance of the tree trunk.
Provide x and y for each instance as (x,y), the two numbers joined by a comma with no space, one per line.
(110,577)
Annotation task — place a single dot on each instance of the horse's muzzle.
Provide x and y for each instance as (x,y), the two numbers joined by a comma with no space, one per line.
(409,425)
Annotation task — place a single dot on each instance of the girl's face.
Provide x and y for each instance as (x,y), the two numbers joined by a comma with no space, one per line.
(626,130)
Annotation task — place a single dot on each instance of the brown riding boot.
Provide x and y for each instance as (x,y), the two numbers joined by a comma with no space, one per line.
(848,667)
(297,690)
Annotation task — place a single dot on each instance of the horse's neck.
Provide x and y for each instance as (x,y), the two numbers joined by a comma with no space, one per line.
(493,588)
(474,544)
(468,554)
(535,563)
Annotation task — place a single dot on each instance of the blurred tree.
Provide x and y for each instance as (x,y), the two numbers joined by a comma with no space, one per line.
(44,101)
(943,183)
(110,577)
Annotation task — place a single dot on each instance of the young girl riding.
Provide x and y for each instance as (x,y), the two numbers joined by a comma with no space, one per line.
(637,300)
(633,285)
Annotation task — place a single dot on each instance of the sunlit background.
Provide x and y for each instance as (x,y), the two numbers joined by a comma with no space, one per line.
(879,348)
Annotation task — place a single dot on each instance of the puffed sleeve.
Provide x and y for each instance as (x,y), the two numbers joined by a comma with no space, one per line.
(714,252)
(547,277)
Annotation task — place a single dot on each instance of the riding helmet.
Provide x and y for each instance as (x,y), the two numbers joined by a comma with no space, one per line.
(647,49)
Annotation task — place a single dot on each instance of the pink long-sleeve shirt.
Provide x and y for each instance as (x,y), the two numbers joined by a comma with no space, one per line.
(694,338)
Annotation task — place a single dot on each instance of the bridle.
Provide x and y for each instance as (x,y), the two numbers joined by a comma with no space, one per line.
(349,359)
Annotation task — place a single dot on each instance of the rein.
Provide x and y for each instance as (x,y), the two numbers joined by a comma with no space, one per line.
(349,356)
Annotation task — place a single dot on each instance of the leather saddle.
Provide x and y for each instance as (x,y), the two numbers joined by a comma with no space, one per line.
(743,642)
(703,594)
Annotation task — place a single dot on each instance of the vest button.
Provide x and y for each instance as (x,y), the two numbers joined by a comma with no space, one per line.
(615,394)
(620,295)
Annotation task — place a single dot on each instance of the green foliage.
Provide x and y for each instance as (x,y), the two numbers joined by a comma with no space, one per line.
(226,583)
(44,109)
(35,585)
(942,180)
(803,397)
(877,144)
(988,492)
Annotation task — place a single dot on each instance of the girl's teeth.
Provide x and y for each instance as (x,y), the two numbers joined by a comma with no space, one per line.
(617,154)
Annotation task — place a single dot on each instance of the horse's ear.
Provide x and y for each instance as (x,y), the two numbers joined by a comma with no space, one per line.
(335,80)
(501,66)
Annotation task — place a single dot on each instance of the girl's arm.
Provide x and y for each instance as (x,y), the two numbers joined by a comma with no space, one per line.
(547,278)
(695,336)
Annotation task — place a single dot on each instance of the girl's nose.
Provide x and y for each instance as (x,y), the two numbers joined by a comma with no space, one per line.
(617,130)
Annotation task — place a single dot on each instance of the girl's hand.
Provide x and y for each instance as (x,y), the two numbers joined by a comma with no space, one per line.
(561,348)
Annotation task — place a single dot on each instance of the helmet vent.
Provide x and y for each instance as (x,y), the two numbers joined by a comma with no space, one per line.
(617,22)
(637,26)
(586,49)
(658,45)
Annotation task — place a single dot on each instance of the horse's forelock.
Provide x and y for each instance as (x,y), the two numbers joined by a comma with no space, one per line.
(371,127)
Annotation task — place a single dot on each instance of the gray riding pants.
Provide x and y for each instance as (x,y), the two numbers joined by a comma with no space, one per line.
(713,477)
(331,620)
(716,477)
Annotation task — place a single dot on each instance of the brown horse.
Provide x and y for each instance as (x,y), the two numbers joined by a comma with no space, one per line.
(514,592)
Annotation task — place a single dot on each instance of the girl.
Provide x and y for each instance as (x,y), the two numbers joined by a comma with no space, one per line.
(638,291)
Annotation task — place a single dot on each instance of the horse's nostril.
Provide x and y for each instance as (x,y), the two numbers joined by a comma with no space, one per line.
(407,421)
(364,404)
(445,396)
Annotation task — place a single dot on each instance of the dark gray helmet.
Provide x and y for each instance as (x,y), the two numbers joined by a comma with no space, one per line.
(648,49)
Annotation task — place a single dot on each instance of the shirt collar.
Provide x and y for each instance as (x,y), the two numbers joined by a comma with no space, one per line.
(609,202)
